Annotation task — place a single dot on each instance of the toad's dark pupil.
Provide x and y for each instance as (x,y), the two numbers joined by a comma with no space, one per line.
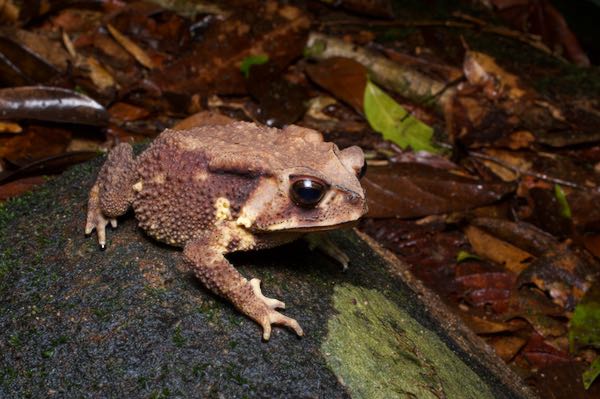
(307,192)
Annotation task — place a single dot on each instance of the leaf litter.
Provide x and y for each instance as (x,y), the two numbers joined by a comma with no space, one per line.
(482,176)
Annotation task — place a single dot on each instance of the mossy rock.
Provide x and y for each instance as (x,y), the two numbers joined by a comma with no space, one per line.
(132,322)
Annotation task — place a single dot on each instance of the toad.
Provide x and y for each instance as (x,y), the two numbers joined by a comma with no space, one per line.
(217,189)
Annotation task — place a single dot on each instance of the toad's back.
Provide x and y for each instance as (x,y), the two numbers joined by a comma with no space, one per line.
(177,198)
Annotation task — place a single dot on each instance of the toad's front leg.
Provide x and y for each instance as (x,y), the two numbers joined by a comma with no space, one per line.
(218,275)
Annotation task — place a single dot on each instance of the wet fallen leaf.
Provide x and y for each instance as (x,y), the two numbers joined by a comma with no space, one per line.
(506,347)
(51,104)
(280,102)
(99,75)
(564,273)
(35,142)
(19,66)
(50,165)
(498,251)
(408,190)
(546,211)
(344,78)
(520,234)
(127,112)
(534,307)
(387,117)
(10,127)
(20,186)
(542,18)
(483,326)
(540,354)
(136,51)
(201,119)
(213,64)
(9,12)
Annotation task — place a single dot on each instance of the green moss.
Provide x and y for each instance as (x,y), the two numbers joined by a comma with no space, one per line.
(392,354)
(178,338)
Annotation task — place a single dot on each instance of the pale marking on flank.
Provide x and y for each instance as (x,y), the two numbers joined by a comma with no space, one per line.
(222,209)
(138,186)
(159,178)
(244,221)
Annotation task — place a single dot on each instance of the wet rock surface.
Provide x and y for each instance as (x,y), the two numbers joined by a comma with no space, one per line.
(132,322)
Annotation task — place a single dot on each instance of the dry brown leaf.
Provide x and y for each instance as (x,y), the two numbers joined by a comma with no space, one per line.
(484,326)
(487,246)
(482,70)
(10,127)
(18,187)
(136,51)
(8,11)
(201,119)
(69,45)
(506,347)
(99,75)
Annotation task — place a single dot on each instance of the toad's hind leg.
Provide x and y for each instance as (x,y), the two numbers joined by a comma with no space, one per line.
(219,276)
(112,194)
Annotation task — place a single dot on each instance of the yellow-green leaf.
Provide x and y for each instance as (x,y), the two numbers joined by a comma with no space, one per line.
(561,197)
(591,373)
(247,63)
(387,117)
(464,255)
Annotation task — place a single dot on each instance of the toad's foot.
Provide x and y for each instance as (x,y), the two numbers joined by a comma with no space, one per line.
(219,276)
(325,244)
(270,315)
(95,217)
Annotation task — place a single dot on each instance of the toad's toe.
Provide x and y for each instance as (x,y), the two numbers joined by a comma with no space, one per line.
(271,303)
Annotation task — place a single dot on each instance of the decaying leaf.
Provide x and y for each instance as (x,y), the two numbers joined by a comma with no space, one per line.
(344,78)
(136,51)
(201,119)
(51,104)
(20,186)
(409,190)
(19,66)
(213,65)
(10,127)
(281,102)
(99,75)
(564,273)
(496,250)
(506,347)
(50,165)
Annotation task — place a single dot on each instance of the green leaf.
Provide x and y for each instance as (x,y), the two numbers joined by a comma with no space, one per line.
(464,255)
(316,49)
(591,373)
(583,329)
(247,62)
(561,197)
(387,117)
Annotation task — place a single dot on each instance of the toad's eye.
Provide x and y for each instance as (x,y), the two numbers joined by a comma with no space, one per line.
(307,191)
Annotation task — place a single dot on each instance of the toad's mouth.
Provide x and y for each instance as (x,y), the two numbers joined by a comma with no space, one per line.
(307,229)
